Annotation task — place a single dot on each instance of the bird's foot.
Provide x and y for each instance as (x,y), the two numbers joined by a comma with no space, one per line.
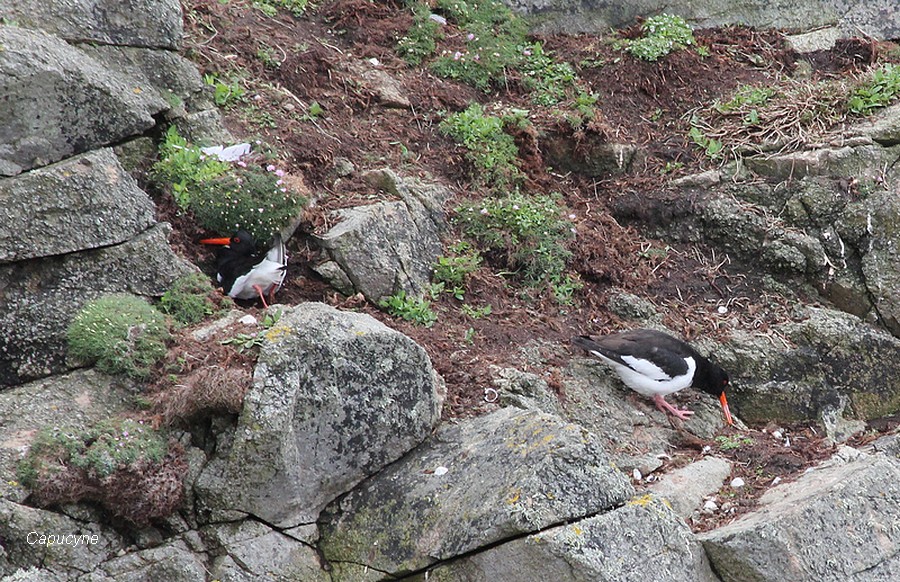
(261,296)
(666,407)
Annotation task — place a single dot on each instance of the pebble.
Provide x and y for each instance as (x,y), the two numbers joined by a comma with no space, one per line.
(636,474)
(737,483)
(441,471)
(710,506)
(247,320)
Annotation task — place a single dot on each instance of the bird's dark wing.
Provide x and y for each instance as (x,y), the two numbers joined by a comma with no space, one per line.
(663,351)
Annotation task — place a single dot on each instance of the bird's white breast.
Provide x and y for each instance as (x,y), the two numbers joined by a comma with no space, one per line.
(648,379)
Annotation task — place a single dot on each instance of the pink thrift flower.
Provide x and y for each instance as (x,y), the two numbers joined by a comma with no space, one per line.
(270,168)
(279,173)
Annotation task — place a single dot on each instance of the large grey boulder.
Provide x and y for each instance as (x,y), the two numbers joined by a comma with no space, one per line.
(837,363)
(21,528)
(166,72)
(644,540)
(249,551)
(58,101)
(336,397)
(387,247)
(174,561)
(81,203)
(472,485)
(836,523)
(39,298)
(878,18)
(139,23)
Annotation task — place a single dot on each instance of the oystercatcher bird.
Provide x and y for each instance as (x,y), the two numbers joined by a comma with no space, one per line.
(655,364)
(245,274)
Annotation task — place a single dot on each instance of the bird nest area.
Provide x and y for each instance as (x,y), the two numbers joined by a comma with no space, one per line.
(285,64)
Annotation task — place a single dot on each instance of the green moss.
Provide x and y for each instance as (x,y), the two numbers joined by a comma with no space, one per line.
(120,334)
(188,301)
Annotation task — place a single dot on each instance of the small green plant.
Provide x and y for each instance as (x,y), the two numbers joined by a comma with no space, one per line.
(420,40)
(224,93)
(121,334)
(127,466)
(315,111)
(495,38)
(184,167)
(490,149)
(268,56)
(544,77)
(879,91)
(565,287)
(663,34)
(727,443)
(528,233)
(244,342)
(671,167)
(454,269)
(711,146)
(475,312)
(747,95)
(188,301)
(226,196)
(270,7)
(415,309)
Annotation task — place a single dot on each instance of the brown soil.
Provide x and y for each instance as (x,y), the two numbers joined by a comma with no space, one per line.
(642,103)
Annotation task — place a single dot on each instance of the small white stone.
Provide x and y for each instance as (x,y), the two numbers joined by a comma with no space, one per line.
(247,320)
(710,505)
(437,18)
(374,62)
(776,434)
(636,474)
(737,483)
(722,310)
(776,480)
(706,449)
(441,471)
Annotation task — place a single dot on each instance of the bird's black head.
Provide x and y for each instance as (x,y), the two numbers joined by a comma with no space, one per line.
(242,242)
(711,378)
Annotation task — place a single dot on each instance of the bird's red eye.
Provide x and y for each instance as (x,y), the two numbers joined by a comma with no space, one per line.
(236,239)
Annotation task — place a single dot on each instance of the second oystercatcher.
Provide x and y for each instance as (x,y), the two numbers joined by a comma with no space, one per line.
(245,274)
(655,364)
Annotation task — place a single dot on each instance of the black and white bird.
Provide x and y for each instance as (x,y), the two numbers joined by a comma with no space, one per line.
(245,274)
(655,364)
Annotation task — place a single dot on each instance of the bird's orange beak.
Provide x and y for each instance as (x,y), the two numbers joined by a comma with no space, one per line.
(216,241)
(727,412)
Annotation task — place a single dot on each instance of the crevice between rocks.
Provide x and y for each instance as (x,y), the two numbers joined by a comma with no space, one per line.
(495,544)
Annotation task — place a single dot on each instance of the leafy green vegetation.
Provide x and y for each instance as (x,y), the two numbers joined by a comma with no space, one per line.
(747,95)
(420,42)
(729,443)
(224,93)
(270,7)
(496,44)
(188,301)
(711,146)
(663,34)
(528,233)
(415,309)
(877,92)
(100,450)
(121,334)
(134,471)
(490,149)
(245,342)
(225,196)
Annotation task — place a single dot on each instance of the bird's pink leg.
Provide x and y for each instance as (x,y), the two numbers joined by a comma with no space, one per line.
(260,291)
(666,407)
